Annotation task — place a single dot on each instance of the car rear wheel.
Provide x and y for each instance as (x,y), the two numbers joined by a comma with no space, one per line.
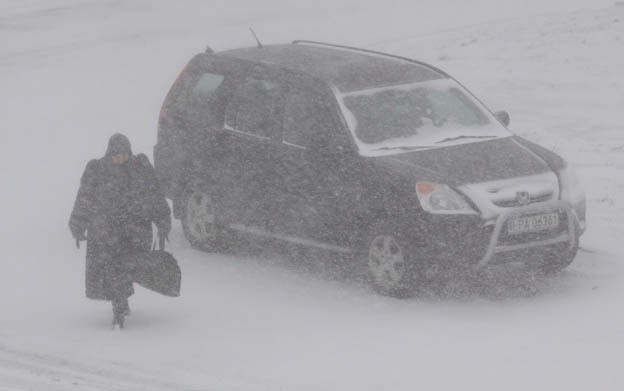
(200,221)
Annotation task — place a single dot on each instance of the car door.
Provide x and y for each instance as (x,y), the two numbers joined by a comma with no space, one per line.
(250,129)
(316,169)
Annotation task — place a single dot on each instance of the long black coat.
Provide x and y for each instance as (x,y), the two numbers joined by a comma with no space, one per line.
(116,205)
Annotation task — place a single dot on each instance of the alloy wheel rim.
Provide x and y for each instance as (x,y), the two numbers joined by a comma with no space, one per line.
(386,261)
(200,216)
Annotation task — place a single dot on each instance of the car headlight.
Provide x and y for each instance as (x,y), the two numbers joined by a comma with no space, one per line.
(571,189)
(441,199)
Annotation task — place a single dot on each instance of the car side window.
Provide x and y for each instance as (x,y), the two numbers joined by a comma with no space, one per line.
(203,100)
(206,86)
(305,119)
(253,108)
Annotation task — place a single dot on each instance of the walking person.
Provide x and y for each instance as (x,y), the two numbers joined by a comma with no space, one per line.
(118,200)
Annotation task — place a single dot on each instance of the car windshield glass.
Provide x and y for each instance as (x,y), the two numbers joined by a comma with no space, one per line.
(421,115)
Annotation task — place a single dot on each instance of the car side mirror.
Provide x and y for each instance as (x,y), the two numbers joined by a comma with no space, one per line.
(503,117)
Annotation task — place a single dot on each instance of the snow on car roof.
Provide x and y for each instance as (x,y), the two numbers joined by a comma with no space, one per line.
(349,70)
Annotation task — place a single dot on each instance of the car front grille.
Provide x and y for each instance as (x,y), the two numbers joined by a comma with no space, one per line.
(513,202)
(493,197)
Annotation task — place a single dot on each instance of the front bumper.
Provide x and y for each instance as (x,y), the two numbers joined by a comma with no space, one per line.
(572,228)
(474,242)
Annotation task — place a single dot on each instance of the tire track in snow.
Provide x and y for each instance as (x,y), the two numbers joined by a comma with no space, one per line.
(22,370)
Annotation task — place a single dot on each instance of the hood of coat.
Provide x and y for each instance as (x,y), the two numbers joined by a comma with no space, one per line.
(118,144)
(467,163)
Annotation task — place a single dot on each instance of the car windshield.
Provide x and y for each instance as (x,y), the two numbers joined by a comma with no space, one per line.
(420,115)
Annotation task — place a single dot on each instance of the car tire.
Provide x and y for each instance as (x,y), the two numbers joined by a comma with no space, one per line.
(200,221)
(384,257)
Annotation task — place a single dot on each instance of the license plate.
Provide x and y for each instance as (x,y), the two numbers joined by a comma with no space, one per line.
(533,223)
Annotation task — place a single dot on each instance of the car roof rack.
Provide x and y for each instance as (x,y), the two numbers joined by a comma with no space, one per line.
(302,41)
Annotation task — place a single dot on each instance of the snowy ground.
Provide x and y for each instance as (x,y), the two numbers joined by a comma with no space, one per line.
(73,71)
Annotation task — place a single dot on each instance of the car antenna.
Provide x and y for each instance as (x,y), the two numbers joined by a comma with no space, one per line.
(260,46)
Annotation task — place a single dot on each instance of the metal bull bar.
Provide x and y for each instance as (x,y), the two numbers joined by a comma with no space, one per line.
(570,235)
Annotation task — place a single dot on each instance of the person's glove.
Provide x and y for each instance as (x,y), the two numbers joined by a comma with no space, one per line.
(78,231)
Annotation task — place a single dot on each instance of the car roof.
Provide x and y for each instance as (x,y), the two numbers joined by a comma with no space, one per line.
(349,69)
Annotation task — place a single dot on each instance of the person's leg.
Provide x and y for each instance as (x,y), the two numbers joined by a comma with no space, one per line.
(118,312)
(137,238)
(106,234)
(120,289)
(125,306)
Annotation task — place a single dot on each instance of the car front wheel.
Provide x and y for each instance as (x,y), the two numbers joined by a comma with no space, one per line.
(386,259)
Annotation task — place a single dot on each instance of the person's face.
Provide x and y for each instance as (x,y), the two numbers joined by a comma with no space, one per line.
(120,158)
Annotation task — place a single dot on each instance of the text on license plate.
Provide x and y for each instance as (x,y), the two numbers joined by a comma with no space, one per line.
(533,223)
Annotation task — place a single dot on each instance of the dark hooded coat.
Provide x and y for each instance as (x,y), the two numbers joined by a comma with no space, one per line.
(116,205)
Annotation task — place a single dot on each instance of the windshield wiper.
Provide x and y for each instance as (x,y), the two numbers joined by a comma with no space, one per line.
(461,137)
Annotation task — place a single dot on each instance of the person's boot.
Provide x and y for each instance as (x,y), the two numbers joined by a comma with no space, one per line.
(118,315)
(118,321)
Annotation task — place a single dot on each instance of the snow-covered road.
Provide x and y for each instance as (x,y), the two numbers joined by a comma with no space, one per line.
(73,71)
(254,323)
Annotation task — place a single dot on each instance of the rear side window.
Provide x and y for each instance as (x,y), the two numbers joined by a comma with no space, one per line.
(206,86)
(204,101)
(196,102)
(253,108)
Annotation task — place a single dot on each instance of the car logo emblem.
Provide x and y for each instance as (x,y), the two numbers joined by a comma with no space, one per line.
(523,197)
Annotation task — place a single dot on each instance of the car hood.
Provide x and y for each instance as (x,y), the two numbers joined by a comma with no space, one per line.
(468,163)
